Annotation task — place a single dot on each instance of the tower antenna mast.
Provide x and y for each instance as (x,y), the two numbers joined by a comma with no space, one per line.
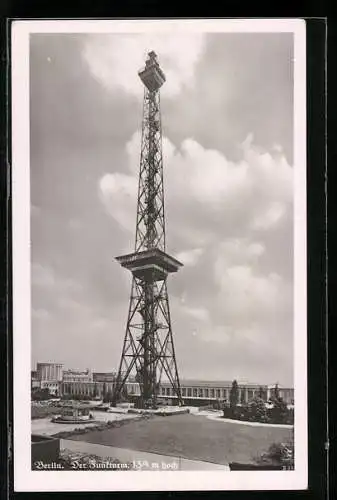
(148,350)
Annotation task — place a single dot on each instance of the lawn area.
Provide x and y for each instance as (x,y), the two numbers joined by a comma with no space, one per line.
(192,437)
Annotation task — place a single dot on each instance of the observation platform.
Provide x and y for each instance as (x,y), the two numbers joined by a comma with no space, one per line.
(152,75)
(150,265)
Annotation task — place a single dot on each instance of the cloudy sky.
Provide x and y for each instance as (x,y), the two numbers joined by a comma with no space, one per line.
(227,122)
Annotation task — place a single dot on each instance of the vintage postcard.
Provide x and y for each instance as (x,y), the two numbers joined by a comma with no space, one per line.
(159,255)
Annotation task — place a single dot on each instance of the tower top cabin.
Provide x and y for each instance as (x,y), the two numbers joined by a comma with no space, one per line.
(152,75)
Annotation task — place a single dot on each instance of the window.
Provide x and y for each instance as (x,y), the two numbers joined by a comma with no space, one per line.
(195,392)
(218,393)
(189,392)
(200,392)
(206,393)
(212,393)
(163,390)
(183,391)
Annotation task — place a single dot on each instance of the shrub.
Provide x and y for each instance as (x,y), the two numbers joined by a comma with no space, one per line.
(279,454)
(256,411)
(227,412)
(280,414)
(234,394)
(40,394)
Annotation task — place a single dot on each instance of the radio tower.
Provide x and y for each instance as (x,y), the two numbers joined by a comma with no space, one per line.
(148,350)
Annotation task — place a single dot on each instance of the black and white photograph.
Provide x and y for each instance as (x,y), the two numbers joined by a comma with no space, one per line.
(159,255)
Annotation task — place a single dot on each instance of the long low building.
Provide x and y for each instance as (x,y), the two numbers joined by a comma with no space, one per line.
(218,390)
(95,389)
(192,391)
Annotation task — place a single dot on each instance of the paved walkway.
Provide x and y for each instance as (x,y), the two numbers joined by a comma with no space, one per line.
(145,460)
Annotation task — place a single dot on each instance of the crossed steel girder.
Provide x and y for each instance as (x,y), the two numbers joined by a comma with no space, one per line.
(150,225)
(148,348)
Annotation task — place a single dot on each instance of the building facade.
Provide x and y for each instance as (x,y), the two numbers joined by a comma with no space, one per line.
(77,375)
(96,389)
(194,392)
(49,371)
(35,382)
(47,376)
(202,391)
(286,393)
(53,386)
(107,377)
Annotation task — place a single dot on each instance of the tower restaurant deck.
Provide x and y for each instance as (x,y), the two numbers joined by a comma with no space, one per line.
(150,265)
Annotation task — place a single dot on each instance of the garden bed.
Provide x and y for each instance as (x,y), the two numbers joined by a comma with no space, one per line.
(257,412)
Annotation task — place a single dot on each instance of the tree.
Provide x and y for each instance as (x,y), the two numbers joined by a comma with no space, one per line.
(257,410)
(281,454)
(234,394)
(280,412)
(277,392)
(261,393)
(41,394)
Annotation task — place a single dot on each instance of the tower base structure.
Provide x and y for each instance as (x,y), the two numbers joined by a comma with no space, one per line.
(148,350)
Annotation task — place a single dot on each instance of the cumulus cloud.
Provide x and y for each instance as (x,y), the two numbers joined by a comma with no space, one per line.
(246,294)
(238,250)
(118,193)
(221,334)
(270,217)
(112,59)
(200,314)
(205,181)
(190,257)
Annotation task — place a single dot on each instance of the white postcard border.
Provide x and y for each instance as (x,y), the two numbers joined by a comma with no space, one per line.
(24,478)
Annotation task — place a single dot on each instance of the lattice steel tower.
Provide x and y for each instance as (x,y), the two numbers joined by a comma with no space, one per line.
(148,349)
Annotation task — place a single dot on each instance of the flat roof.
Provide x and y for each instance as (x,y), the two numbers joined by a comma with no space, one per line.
(222,383)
